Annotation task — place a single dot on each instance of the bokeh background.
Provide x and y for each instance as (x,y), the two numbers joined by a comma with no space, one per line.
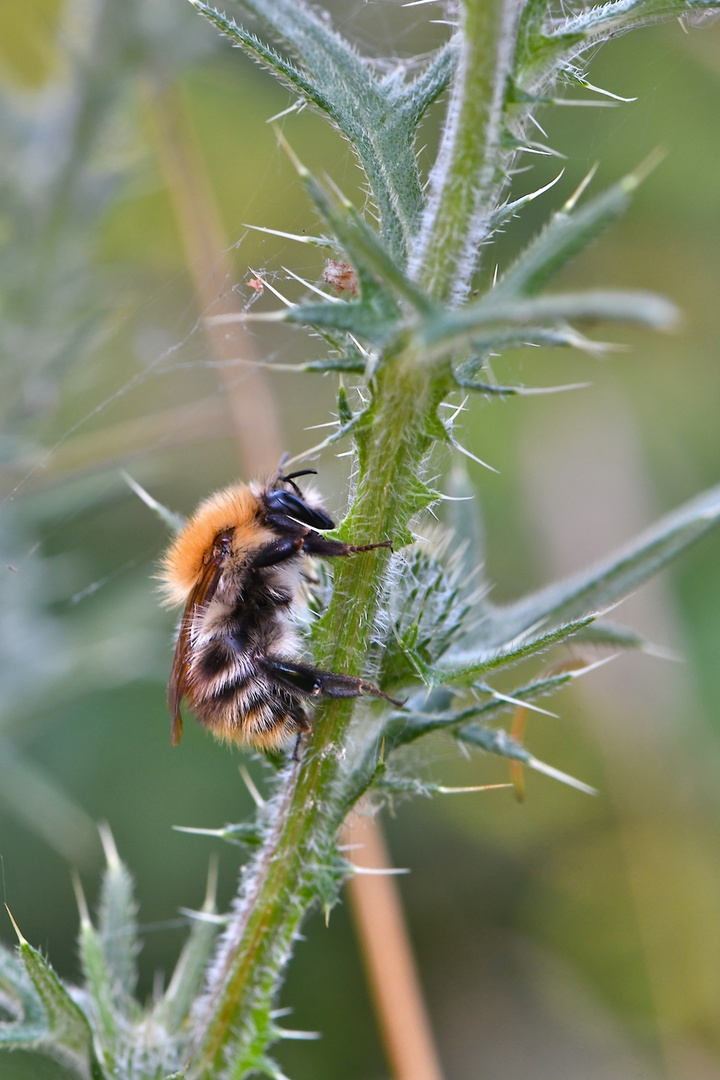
(568,937)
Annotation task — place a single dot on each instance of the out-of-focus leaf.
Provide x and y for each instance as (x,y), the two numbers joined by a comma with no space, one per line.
(608,581)
(69,1036)
(30,49)
(117,923)
(19,998)
(98,983)
(485,324)
(567,234)
(174,1008)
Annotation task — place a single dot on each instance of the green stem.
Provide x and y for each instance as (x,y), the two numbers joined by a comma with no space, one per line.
(469,164)
(307,812)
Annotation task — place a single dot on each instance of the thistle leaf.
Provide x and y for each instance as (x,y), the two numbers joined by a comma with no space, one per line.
(497,741)
(487,323)
(287,73)
(19,998)
(187,978)
(609,580)
(546,46)
(464,667)
(347,360)
(606,20)
(117,923)
(379,118)
(607,634)
(511,209)
(345,413)
(377,270)
(69,1037)
(565,236)
(355,317)
(416,97)
(428,610)
(98,982)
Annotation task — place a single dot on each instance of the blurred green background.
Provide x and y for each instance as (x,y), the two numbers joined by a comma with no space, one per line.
(566,937)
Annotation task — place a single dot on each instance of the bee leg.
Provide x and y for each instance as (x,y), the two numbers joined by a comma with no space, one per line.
(311,542)
(297,749)
(277,551)
(314,544)
(317,683)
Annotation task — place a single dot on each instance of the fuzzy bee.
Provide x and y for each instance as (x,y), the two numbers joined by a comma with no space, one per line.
(237,567)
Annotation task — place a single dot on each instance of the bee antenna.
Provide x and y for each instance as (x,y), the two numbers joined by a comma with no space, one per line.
(301,472)
(291,476)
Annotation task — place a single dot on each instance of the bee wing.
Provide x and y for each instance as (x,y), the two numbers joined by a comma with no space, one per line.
(200,596)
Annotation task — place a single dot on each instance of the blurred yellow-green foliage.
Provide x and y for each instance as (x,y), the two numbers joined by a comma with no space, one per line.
(567,937)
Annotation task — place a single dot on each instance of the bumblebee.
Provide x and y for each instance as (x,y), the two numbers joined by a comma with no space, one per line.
(238,568)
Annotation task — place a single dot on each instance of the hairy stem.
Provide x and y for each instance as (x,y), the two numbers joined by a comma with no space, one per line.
(468,167)
(311,806)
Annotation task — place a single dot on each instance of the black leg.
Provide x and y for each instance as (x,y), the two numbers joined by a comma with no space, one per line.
(308,541)
(316,683)
(277,551)
(314,544)
(297,749)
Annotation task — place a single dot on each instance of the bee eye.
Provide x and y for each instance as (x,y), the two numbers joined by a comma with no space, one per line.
(223,543)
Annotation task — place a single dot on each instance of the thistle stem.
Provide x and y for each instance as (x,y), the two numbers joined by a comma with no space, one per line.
(310,808)
(468,168)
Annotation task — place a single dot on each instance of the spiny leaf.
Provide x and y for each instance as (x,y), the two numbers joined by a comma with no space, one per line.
(407,727)
(545,48)
(438,712)
(117,923)
(174,1008)
(69,1036)
(332,62)
(491,342)
(604,20)
(290,75)
(354,427)
(98,982)
(428,610)
(511,209)
(19,998)
(378,118)
(530,33)
(497,741)
(326,876)
(244,834)
(416,97)
(467,327)
(350,362)
(565,236)
(345,413)
(355,317)
(600,633)
(609,580)
(377,269)
(465,666)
